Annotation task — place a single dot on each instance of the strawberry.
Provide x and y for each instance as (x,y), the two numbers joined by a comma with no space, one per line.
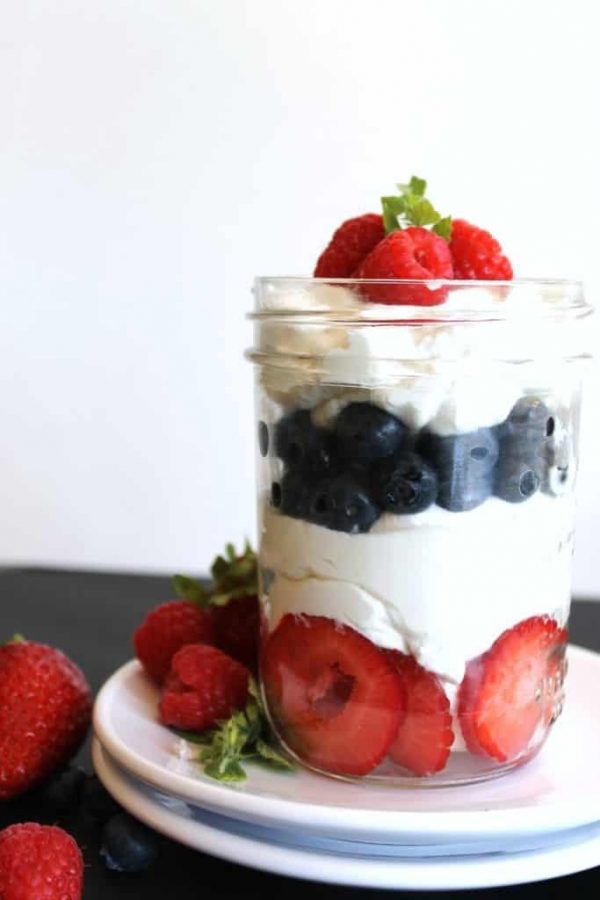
(231,603)
(352,241)
(45,708)
(337,700)
(236,628)
(513,688)
(39,862)
(413,253)
(165,630)
(476,254)
(422,743)
(203,687)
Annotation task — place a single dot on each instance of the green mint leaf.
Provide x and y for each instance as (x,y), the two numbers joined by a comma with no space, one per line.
(227,770)
(272,756)
(189,589)
(443,228)
(420,212)
(416,186)
(393,208)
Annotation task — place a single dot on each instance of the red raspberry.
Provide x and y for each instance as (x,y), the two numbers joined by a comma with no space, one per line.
(476,254)
(236,628)
(203,687)
(165,630)
(39,862)
(45,708)
(413,253)
(352,241)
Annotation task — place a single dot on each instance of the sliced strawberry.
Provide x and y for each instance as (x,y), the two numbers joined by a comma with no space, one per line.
(422,743)
(352,241)
(513,688)
(337,700)
(413,253)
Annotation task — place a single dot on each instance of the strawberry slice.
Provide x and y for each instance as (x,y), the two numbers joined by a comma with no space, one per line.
(336,699)
(351,242)
(423,740)
(513,688)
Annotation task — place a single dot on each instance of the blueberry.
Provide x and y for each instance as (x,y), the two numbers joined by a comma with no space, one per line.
(263,438)
(558,476)
(516,480)
(524,438)
(96,801)
(127,845)
(292,495)
(343,503)
(527,430)
(366,433)
(464,464)
(301,444)
(406,484)
(63,790)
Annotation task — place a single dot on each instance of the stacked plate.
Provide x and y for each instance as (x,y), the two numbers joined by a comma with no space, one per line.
(539,822)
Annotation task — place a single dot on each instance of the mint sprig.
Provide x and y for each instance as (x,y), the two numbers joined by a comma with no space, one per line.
(411,207)
(245,737)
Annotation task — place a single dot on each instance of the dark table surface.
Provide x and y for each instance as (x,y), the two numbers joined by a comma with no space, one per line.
(91,616)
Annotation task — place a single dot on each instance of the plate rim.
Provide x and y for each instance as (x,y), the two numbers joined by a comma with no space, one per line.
(259,807)
(447,873)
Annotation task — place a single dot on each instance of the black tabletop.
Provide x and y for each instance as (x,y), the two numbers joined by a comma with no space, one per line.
(91,616)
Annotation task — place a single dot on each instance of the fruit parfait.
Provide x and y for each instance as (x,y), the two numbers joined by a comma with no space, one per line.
(417,436)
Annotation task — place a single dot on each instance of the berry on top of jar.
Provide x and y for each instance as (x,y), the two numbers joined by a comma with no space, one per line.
(411,240)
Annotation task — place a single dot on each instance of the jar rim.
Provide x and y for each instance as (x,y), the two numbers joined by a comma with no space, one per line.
(529,297)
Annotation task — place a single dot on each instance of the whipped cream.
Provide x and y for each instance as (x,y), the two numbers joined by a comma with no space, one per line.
(440,585)
(448,375)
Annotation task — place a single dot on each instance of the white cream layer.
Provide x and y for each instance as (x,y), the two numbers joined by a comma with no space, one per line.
(449,376)
(440,585)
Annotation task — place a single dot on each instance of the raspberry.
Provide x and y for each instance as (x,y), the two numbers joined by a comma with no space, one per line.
(203,687)
(352,241)
(413,253)
(45,708)
(476,254)
(39,862)
(165,630)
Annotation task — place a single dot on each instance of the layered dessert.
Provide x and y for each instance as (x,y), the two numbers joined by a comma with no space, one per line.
(418,414)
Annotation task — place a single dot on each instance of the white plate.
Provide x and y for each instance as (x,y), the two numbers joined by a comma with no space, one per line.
(186,824)
(558,790)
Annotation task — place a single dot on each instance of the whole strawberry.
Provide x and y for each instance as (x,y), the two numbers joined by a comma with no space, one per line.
(39,862)
(231,603)
(165,630)
(236,626)
(234,605)
(45,708)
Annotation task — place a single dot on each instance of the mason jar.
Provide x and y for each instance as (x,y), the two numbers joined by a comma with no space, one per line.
(416,471)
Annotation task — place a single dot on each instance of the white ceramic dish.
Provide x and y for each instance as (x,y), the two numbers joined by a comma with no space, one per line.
(557,791)
(356,866)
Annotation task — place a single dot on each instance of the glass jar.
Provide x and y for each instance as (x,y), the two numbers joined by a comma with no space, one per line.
(416,466)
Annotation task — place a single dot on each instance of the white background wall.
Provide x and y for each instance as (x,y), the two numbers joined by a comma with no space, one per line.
(155,156)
